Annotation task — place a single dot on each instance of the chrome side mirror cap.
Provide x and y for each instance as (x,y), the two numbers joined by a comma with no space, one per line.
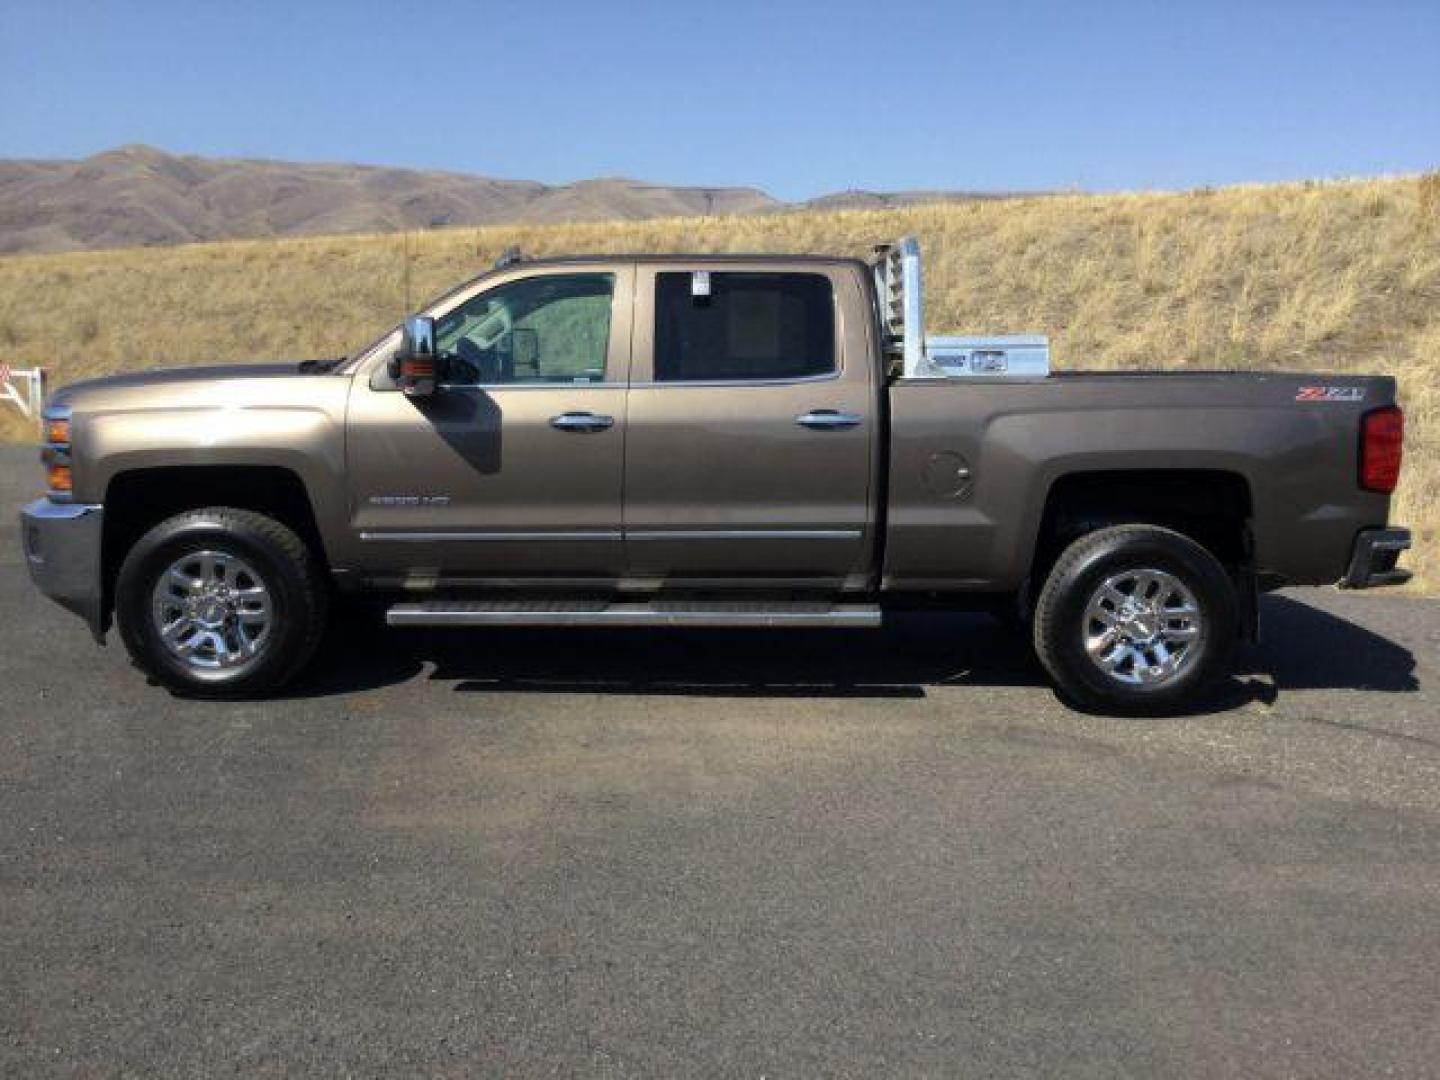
(416,367)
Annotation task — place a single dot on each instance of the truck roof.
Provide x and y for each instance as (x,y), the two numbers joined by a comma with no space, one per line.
(688,258)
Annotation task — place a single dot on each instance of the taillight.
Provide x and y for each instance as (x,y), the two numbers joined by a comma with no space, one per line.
(1381,434)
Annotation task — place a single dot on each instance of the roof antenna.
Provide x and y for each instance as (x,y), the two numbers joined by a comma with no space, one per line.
(509,258)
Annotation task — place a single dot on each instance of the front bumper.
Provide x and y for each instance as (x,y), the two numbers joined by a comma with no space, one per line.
(62,549)
(1372,563)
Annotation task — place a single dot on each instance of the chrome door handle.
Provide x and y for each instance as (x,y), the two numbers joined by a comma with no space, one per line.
(581,422)
(828,420)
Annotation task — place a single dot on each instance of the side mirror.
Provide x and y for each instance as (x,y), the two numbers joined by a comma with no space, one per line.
(415,365)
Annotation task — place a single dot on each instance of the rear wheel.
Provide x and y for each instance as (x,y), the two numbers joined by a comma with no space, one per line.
(1136,618)
(220,603)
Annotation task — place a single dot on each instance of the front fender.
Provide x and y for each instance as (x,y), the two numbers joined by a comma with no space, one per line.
(308,442)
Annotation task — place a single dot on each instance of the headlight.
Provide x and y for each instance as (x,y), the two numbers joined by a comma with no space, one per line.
(56,454)
(58,478)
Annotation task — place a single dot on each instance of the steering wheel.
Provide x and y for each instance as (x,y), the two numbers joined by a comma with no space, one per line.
(472,364)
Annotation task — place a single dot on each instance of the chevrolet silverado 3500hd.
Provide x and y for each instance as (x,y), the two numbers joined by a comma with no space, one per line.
(741,441)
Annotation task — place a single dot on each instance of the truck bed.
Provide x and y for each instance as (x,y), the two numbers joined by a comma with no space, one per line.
(1290,438)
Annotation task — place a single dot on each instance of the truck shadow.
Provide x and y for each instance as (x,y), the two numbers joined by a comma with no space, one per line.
(1304,648)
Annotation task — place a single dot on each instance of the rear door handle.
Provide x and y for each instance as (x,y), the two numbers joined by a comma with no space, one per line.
(581,422)
(828,420)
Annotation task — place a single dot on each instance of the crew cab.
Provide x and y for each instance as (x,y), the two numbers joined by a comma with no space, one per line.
(717,440)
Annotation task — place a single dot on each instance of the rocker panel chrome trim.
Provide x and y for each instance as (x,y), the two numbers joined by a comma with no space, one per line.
(483,537)
(639,534)
(744,534)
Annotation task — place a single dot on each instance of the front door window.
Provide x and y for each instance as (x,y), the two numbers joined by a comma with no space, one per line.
(550,330)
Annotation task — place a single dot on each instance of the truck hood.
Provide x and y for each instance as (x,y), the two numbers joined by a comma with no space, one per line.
(180,380)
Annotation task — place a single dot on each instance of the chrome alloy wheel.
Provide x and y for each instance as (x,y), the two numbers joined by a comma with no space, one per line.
(1142,627)
(212,611)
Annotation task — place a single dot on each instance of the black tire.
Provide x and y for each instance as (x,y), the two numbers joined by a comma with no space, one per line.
(1062,622)
(296,589)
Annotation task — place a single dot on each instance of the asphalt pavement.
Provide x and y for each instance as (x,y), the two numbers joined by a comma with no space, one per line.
(628,853)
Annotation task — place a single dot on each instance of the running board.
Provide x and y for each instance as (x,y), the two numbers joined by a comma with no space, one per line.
(645,613)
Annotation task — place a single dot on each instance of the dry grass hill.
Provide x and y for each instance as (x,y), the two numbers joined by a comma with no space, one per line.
(1335,276)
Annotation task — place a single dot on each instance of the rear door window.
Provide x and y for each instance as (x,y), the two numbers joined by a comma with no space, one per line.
(743,327)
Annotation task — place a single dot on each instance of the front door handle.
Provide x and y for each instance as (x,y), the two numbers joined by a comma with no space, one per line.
(582,422)
(828,420)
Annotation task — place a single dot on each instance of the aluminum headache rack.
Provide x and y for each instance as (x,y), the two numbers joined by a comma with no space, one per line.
(899,286)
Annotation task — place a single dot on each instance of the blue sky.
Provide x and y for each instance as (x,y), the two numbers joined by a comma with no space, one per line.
(799,98)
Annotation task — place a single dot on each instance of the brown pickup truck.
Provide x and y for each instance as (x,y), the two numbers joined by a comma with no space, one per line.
(737,441)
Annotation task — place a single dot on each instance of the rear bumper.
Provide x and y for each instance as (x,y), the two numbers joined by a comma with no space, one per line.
(62,549)
(1372,563)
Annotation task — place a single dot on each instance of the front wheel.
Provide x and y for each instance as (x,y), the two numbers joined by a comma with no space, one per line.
(220,603)
(1136,619)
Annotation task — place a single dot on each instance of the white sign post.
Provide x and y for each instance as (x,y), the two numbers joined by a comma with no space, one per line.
(25,389)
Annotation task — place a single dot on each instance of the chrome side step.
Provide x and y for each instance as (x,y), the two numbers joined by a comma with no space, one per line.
(630,613)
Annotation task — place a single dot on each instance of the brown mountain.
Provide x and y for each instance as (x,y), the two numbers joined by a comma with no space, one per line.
(889,200)
(138,195)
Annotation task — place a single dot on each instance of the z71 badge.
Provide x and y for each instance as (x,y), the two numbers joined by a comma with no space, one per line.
(1330,393)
